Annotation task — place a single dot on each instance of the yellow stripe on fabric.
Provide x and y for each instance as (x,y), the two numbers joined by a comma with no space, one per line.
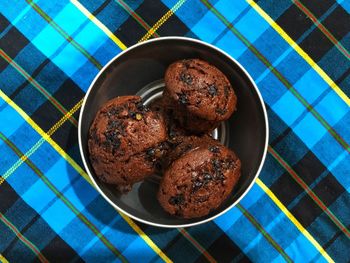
(294,220)
(44,135)
(47,138)
(149,241)
(3,259)
(162,20)
(98,23)
(44,138)
(300,51)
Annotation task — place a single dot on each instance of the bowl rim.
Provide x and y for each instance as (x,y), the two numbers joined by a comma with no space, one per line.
(80,132)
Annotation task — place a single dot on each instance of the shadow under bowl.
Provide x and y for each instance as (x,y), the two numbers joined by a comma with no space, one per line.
(246,132)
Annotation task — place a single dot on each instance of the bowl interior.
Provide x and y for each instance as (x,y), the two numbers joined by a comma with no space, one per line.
(146,63)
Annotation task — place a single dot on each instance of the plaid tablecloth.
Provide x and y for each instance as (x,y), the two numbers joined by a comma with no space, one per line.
(298,52)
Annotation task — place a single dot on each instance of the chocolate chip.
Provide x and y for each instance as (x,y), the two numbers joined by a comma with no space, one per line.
(220,176)
(177,200)
(163,146)
(150,152)
(141,107)
(132,114)
(207,177)
(183,99)
(158,166)
(221,111)
(197,184)
(186,78)
(117,126)
(216,164)
(114,111)
(172,133)
(135,115)
(213,91)
(214,149)
(112,140)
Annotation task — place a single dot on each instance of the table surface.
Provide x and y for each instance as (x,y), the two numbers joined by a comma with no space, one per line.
(298,53)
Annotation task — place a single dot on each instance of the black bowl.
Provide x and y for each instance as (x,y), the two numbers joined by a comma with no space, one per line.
(140,70)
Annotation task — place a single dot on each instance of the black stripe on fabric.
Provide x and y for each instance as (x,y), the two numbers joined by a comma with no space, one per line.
(173,27)
(74,153)
(334,238)
(286,189)
(101,7)
(270,7)
(13,42)
(8,197)
(224,250)
(69,94)
(191,35)
(66,136)
(130,32)
(277,126)
(294,22)
(59,251)
(154,232)
(151,11)
(318,8)
(338,23)
(199,233)
(46,115)
(316,45)
(307,210)
(164,245)
(310,167)
(281,136)
(329,189)
(3,23)
(33,75)
(34,217)
(343,76)
(37,71)
(22,231)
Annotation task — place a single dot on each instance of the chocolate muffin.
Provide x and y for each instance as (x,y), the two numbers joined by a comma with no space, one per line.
(199,181)
(178,140)
(126,141)
(201,94)
(184,144)
(174,130)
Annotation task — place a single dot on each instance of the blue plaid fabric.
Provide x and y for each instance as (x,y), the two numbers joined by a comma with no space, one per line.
(298,53)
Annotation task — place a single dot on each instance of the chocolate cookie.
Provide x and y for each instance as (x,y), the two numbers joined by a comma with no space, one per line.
(126,141)
(199,181)
(200,93)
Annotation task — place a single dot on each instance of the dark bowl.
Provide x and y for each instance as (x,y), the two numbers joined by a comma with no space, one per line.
(140,70)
